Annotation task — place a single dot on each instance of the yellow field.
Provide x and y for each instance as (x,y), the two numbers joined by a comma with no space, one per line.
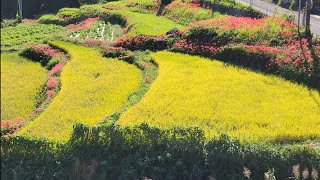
(196,91)
(21,80)
(93,88)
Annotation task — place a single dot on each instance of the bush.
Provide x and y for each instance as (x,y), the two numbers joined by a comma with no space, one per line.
(71,15)
(51,19)
(8,23)
(113,52)
(90,10)
(239,55)
(142,42)
(40,53)
(82,2)
(114,18)
(144,151)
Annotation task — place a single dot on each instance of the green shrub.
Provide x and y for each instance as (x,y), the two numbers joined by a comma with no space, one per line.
(54,61)
(144,151)
(83,2)
(238,55)
(90,10)
(51,19)
(114,18)
(71,15)
(8,23)
(31,53)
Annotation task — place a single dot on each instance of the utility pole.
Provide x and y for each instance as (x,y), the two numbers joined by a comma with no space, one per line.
(309,5)
(299,16)
(20,10)
(213,7)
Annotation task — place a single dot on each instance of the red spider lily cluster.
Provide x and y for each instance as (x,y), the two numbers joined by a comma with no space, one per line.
(232,22)
(17,121)
(194,48)
(142,42)
(82,25)
(115,52)
(56,70)
(43,51)
(297,55)
(111,48)
(262,49)
(93,42)
(249,30)
(52,83)
(51,94)
(51,88)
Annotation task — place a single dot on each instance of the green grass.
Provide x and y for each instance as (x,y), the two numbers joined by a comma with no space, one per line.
(149,24)
(184,14)
(93,88)
(141,6)
(13,38)
(250,106)
(21,80)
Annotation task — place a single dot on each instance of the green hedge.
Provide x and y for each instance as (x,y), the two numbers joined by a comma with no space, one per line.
(238,55)
(51,19)
(143,151)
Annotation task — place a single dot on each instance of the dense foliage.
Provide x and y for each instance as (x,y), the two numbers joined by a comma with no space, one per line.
(110,152)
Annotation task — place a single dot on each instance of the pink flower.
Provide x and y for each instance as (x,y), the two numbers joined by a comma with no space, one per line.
(85,24)
(56,70)
(51,94)
(52,83)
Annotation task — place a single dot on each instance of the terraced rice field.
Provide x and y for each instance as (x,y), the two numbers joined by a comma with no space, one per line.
(12,38)
(21,80)
(254,107)
(149,24)
(92,89)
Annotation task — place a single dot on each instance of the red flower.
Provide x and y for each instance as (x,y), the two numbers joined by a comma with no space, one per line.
(85,24)
(52,83)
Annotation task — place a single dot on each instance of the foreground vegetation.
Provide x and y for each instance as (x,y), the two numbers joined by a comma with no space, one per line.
(250,106)
(21,80)
(92,88)
(112,152)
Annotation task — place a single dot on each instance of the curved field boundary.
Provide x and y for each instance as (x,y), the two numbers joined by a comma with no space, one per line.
(196,91)
(93,88)
(21,80)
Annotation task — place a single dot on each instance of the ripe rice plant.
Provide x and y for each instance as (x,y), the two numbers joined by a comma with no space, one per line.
(21,80)
(92,88)
(191,90)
